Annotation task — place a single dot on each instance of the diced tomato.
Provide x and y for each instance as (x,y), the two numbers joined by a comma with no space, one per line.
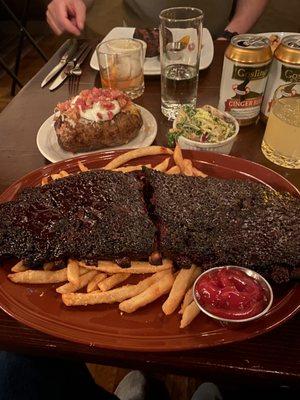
(108,105)
(87,98)
(84,93)
(95,91)
(110,115)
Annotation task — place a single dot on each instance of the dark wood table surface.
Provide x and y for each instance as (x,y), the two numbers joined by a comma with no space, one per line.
(272,358)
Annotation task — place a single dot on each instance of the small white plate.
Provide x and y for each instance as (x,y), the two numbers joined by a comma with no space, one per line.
(280,34)
(47,143)
(152,65)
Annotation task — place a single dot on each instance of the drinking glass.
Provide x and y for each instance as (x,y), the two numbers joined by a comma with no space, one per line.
(281,141)
(180,36)
(121,64)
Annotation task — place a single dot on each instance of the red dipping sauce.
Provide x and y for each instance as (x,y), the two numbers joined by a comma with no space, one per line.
(230,293)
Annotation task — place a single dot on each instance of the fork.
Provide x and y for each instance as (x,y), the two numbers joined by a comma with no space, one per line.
(74,83)
(75,73)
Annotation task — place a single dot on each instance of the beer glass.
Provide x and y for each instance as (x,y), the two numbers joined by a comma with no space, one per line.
(121,64)
(180,36)
(281,141)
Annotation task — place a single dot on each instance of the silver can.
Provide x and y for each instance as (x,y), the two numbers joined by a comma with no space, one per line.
(245,70)
(285,69)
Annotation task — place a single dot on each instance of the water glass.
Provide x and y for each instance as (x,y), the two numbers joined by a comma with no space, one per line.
(180,36)
(121,64)
(281,141)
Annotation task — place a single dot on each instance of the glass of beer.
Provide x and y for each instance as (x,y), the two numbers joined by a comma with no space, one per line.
(180,36)
(281,141)
(121,64)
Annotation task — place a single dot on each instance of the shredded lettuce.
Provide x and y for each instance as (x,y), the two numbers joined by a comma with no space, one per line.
(205,125)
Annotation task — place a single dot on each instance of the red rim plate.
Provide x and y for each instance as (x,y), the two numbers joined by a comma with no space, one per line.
(40,307)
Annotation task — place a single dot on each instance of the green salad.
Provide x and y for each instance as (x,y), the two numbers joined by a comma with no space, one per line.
(206,125)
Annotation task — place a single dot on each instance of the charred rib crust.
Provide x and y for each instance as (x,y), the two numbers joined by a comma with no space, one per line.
(106,215)
(221,222)
(94,215)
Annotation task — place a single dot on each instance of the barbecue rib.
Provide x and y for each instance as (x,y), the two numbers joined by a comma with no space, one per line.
(92,215)
(110,215)
(214,222)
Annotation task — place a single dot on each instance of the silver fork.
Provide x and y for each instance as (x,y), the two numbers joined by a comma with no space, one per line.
(75,73)
(73,84)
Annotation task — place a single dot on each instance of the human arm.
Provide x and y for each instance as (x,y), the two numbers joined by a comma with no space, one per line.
(67,15)
(246,14)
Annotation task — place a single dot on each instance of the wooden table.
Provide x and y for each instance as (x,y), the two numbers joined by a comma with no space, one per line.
(271,358)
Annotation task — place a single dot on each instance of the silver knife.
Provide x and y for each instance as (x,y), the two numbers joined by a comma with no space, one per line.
(70,65)
(80,60)
(72,46)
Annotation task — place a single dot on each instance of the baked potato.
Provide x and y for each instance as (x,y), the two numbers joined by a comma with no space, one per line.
(96,119)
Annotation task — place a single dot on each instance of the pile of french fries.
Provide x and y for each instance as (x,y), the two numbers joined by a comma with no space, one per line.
(103,283)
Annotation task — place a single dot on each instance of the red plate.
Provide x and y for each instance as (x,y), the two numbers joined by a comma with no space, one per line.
(147,329)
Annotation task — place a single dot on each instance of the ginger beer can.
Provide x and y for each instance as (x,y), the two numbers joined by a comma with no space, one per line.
(285,69)
(245,70)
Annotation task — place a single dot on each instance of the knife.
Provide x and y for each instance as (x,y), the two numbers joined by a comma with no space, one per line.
(72,46)
(66,71)
(80,60)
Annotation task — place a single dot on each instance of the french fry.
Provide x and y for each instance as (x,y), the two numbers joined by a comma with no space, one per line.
(196,273)
(178,158)
(131,168)
(48,266)
(63,173)
(141,152)
(44,180)
(83,281)
(188,167)
(82,167)
(97,297)
(163,166)
(197,172)
(73,272)
(190,313)
(178,290)
(39,277)
(188,298)
(93,284)
(173,170)
(112,281)
(156,290)
(54,177)
(19,267)
(112,296)
(137,267)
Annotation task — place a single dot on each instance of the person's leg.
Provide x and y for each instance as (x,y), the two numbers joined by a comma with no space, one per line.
(207,391)
(34,378)
(137,386)
(132,387)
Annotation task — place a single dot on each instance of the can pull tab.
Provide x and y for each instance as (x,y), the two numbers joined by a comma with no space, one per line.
(252,41)
(295,44)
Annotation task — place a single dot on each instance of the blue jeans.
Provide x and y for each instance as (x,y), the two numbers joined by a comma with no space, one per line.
(34,378)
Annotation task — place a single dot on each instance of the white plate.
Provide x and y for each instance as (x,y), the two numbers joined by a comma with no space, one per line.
(280,34)
(47,143)
(152,65)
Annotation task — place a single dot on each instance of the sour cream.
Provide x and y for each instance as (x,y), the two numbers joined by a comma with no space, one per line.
(97,113)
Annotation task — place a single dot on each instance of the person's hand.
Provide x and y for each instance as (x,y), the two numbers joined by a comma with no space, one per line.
(66,16)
